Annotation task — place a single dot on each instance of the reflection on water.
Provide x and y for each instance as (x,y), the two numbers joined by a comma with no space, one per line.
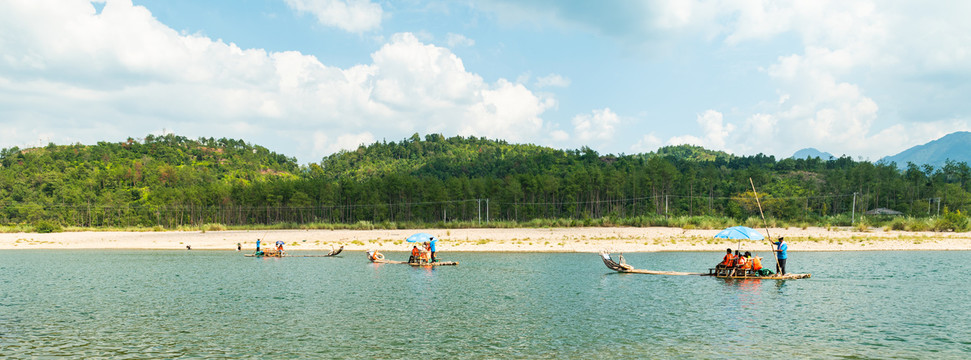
(166,304)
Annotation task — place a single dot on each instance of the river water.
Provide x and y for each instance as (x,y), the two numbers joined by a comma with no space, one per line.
(218,304)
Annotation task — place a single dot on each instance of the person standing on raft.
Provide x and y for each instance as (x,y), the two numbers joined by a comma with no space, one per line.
(780,249)
(430,247)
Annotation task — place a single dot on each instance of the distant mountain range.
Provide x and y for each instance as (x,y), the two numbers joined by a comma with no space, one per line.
(812,153)
(954,146)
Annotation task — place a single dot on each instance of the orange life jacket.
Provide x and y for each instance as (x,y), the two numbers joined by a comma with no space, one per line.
(740,261)
(756,263)
(729,260)
(415,252)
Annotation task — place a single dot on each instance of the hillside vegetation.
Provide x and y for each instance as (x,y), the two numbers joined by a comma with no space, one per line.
(171,181)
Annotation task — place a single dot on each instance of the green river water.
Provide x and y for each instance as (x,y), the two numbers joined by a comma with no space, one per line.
(219,304)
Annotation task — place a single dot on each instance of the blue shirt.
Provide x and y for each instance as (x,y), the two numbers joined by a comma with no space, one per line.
(432,244)
(257,244)
(781,255)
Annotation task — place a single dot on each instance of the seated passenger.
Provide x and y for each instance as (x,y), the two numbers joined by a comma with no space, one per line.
(745,263)
(739,260)
(415,254)
(756,263)
(728,261)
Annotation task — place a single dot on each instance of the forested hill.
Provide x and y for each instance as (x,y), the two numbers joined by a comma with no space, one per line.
(442,158)
(158,170)
(172,181)
(153,154)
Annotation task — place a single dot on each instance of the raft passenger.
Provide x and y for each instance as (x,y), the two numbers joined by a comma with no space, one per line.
(727,261)
(415,255)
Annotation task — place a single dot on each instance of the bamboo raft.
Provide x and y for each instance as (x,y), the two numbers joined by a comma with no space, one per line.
(622,267)
(382,260)
(437,263)
(275,253)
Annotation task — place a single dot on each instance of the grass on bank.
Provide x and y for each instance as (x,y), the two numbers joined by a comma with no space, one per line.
(949,221)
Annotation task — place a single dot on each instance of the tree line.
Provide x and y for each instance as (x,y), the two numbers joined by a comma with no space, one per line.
(173,181)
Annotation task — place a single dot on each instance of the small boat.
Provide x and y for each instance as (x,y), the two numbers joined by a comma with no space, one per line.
(378,258)
(621,266)
(275,253)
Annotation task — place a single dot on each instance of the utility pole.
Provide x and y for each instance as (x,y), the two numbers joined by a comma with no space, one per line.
(479,209)
(853,217)
(487,211)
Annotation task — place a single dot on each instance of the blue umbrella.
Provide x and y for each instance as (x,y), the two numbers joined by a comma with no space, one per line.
(279,242)
(421,237)
(740,233)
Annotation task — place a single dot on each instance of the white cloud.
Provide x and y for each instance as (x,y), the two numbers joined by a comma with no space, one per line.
(349,15)
(456,40)
(348,142)
(648,143)
(559,135)
(598,125)
(716,132)
(122,73)
(853,70)
(552,80)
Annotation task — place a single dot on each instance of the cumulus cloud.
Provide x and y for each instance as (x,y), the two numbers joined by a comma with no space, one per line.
(716,132)
(552,80)
(347,142)
(456,40)
(348,15)
(647,143)
(850,78)
(599,125)
(121,73)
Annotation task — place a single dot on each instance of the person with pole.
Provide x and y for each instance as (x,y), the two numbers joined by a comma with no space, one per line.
(780,249)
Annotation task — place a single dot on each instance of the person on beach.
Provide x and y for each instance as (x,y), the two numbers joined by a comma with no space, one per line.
(780,249)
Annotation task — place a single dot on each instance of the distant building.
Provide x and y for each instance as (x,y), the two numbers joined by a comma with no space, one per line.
(883,211)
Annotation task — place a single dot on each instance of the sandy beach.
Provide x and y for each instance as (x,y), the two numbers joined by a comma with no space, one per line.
(614,239)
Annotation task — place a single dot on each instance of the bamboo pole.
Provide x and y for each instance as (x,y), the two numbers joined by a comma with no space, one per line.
(764,223)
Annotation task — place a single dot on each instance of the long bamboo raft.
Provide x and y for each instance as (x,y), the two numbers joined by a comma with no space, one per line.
(437,263)
(275,253)
(382,260)
(622,267)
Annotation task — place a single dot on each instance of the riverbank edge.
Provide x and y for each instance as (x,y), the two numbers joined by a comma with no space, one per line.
(593,239)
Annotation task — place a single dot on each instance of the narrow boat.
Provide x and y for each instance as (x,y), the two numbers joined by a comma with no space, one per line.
(275,253)
(378,258)
(621,266)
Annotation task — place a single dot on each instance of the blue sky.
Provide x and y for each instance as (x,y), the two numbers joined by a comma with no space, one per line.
(308,78)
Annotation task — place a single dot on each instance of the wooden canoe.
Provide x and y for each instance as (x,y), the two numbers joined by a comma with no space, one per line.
(622,267)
